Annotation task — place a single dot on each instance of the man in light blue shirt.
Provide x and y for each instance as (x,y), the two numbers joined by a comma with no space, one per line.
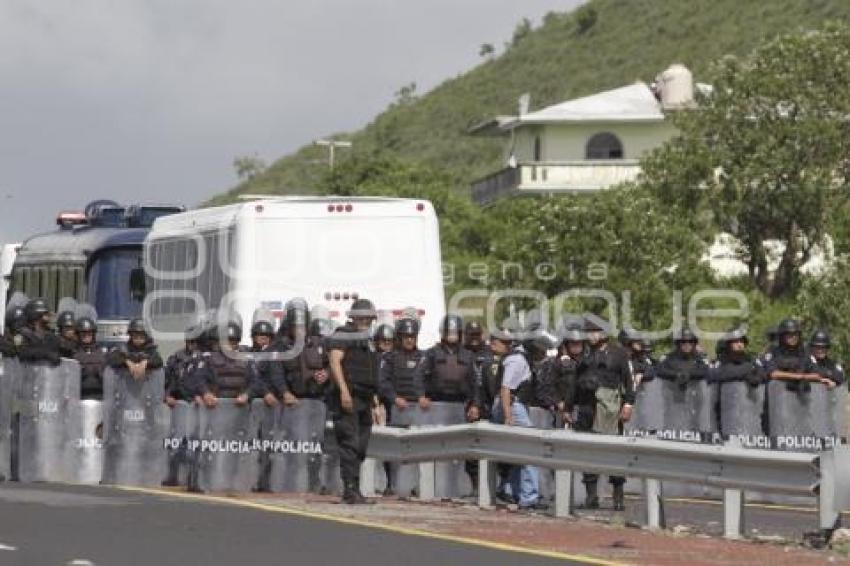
(511,408)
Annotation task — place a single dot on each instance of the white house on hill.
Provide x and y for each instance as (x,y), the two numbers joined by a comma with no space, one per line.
(585,144)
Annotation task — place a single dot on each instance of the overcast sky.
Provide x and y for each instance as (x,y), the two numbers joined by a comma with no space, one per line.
(150,100)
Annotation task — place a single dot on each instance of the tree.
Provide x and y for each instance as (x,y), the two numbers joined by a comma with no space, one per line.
(521,31)
(486,50)
(406,94)
(767,151)
(824,302)
(586,17)
(247,167)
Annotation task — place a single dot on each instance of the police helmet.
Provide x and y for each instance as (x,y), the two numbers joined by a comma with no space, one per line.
(384,332)
(262,328)
(686,335)
(86,324)
(503,335)
(572,335)
(647,345)
(407,327)
(593,324)
(16,318)
(137,326)
(821,338)
(735,335)
(473,328)
(362,308)
(36,309)
(234,332)
(65,320)
(788,326)
(540,343)
(451,324)
(297,312)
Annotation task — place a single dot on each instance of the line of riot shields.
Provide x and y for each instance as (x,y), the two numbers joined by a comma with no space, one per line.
(770,415)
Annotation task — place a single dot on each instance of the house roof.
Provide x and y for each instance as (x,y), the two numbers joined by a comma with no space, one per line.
(633,103)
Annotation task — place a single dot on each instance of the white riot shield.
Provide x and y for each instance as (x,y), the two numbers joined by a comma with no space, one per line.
(741,409)
(135,428)
(183,429)
(227,451)
(296,458)
(86,442)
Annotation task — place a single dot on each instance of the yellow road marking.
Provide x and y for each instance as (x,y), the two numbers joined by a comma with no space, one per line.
(285,510)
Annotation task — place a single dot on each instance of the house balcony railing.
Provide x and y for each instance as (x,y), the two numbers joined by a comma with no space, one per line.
(554,177)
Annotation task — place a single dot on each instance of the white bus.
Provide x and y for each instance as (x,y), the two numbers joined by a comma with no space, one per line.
(261,253)
(7,260)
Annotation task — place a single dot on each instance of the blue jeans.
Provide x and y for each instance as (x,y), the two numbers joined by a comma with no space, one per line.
(523,482)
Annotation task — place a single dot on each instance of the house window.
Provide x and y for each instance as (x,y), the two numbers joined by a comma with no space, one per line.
(604,146)
(537,149)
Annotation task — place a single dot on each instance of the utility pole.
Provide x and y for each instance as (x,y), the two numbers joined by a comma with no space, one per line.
(332,145)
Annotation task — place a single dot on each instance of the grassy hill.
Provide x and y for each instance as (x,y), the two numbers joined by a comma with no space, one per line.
(604,44)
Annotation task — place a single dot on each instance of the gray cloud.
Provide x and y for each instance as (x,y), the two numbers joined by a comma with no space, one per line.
(150,100)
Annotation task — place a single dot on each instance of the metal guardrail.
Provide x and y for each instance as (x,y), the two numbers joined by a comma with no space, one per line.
(824,475)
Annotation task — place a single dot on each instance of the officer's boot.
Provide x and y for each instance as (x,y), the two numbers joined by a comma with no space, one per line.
(350,493)
(619,498)
(592,499)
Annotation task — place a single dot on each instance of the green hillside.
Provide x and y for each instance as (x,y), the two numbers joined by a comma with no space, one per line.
(605,44)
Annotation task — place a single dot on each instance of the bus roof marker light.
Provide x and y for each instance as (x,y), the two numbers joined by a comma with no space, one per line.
(339,208)
(330,208)
(420,207)
(348,208)
(259,208)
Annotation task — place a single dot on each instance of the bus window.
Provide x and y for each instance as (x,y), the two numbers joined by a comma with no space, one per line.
(109,284)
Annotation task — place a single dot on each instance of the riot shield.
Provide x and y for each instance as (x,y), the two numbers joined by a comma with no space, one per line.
(9,383)
(296,456)
(135,428)
(227,451)
(649,407)
(689,408)
(796,415)
(267,418)
(86,442)
(837,411)
(183,430)
(47,397)
(544,419)
(741,409)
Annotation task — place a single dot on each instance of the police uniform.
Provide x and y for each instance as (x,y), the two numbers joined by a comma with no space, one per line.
(223,376)
(120,355)
(360,365)
(603,384)
(791,360)
(449,374)
(175,373)
(38,345)
(401,376)
(299,370)
(92,359)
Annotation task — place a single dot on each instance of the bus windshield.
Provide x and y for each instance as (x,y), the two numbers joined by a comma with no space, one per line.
(109,284)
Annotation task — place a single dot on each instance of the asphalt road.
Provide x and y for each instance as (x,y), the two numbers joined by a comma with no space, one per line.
(43,525)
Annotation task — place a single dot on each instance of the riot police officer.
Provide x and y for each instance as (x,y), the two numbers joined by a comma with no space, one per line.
(571,352)
(684,364)
(485,365)
(788,362)
(604,396)
(401,378)
(176,366)
(401,373)
(38,342)
(216,375)
(736,364)
(511,408)
(354,363)
(306,374)
(269,371)
(15,321)
(384,338)
(92,359)
(139,355)
(823,364)
(66,325)
(544,374)
(638,349)
(449,369)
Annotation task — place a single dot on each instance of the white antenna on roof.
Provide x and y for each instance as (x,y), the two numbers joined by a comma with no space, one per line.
(524,102)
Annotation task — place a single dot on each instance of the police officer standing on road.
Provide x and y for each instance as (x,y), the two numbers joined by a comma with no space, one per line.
(449,369)
(572,351)
(38,342)
(66,326)
(545,370)
(92,359)
(788,362)
(269,372)
(176,366)
(604,396)
(139,355)
(485,364)
(684,364)
(354,364)
(511,408)
(401,379)
(823,364)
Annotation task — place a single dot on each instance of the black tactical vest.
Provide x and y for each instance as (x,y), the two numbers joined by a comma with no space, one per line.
(230,377)
(449,377)
(299,370)
(360,363)
(405,366)
(92,361)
